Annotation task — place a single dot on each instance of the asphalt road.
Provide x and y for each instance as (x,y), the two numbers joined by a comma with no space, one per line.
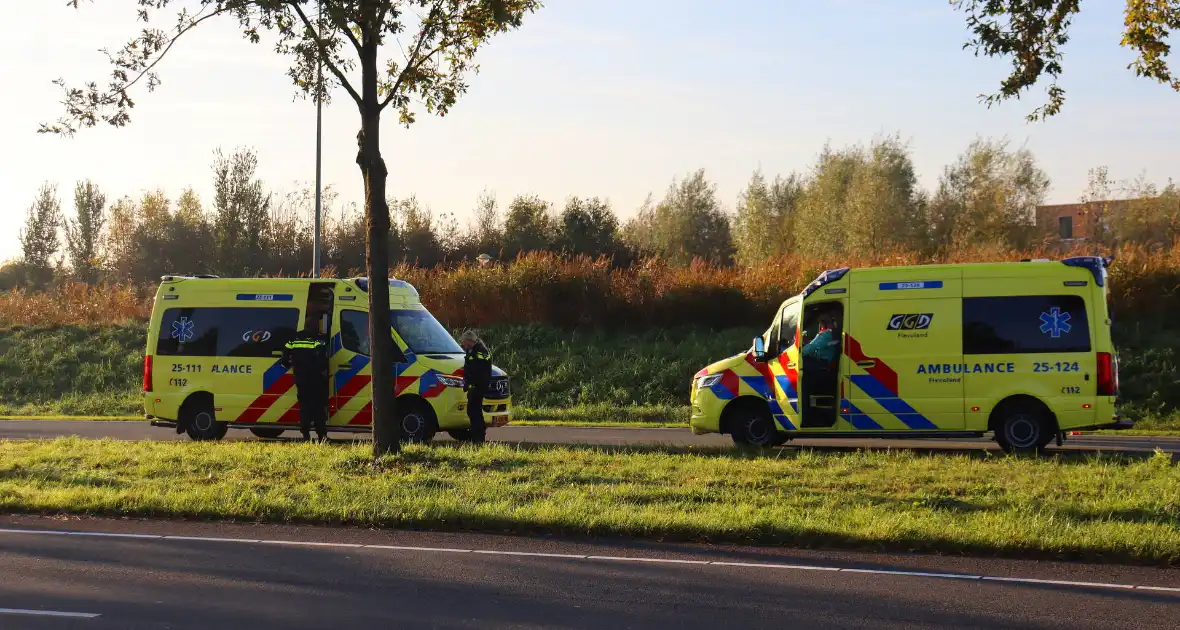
(37,429)
(260,577)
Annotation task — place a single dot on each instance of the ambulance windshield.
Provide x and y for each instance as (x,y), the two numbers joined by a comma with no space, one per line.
(423,333)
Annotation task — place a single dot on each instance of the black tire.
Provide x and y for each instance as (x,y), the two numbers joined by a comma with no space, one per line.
(1023,426)
(418,423)
(781,438)
(460,435)
(200,421)
(752,425)
(266,433)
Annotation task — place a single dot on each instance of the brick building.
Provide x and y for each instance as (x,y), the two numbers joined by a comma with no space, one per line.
(1073,222)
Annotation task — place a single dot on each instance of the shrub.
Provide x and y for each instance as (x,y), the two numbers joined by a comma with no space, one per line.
(543,288)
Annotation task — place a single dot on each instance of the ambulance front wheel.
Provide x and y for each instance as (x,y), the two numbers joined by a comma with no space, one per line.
(750,424)
(1023,426)
(418,423)
(200,421)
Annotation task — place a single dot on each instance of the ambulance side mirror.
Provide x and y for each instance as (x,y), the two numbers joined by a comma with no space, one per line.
(759,348)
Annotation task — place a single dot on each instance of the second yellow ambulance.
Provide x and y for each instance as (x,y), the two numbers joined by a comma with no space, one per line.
(1020,349)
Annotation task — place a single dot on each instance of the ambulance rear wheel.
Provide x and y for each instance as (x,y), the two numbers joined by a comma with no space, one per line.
(266,434)
(417,421)
(1023,426)
(201,422)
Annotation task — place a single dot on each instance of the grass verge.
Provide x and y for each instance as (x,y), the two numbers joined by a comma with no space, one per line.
(1097,508)
(606,415)
(603,416)
(586,378)
(77,418)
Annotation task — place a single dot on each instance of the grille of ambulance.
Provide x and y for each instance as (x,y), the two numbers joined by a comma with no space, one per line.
(498,389)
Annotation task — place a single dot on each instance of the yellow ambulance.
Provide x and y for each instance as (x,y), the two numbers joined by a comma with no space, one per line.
(214,348)
(1022,350)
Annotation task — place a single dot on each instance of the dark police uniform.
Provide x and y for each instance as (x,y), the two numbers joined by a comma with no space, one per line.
(307,355)
(477,377)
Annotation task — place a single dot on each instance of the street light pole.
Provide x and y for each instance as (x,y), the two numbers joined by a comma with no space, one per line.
(317,262)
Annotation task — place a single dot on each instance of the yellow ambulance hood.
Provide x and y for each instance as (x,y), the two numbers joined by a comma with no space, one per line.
(724,364)
(449,364)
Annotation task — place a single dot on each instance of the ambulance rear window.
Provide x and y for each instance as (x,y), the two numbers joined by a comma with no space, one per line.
(1025,325)
(226,332)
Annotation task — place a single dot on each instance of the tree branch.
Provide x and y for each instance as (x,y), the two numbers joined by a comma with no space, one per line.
(411,65)
(341,26)
(172,42)
(324,54)
(120,90)
(383,14)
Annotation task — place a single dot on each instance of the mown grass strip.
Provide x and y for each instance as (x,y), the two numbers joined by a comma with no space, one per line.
(541,418)
(1094,507)
(76,418)
(519,423)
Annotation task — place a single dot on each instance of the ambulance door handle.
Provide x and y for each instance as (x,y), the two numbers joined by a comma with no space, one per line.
(343,366)
(866,364)
(791,365)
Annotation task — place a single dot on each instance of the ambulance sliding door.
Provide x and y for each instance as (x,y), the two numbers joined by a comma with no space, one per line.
(903,356)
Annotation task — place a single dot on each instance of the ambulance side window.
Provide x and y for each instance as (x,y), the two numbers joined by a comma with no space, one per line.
(256,332)
(788,328)
(226,331)
(354,331)
(1033,324)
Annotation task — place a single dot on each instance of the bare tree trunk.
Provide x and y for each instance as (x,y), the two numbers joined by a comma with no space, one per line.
(386,428)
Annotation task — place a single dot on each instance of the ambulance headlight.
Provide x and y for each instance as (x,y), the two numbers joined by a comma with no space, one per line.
(451,381)
(705,382)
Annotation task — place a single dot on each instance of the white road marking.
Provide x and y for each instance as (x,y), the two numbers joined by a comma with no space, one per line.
(47,613)
(109,535)
(427,549)
(637,559)
(644,559)
(1057,582)
(764,565)
(953,576)
(1168,589)
(39,532)
(212,539)
(301,543)
(531,554)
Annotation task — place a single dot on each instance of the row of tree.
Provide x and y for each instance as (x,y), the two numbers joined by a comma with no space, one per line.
(853,199)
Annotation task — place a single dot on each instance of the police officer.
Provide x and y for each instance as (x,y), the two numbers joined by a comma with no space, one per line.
(307,355)
(477,377)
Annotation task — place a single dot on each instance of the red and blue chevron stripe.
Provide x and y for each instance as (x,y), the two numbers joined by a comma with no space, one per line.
(857,418)
(880,384)
(786,381)
(276,381)
(727,387)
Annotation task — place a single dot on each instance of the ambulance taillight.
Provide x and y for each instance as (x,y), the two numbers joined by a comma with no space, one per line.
(1108,378)
(147,373)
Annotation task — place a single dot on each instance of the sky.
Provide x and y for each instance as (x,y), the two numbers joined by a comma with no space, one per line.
(611,98)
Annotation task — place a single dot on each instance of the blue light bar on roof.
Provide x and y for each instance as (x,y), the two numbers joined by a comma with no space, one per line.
(363,284)
(1096,264)
(826,277)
